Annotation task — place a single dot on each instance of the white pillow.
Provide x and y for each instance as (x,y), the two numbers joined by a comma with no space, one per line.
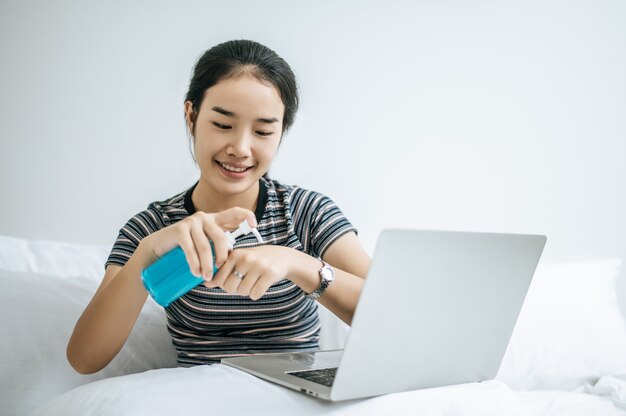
(570,330)
(37,315)
(53,258)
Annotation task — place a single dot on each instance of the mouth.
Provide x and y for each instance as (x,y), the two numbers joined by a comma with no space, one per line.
(233,171)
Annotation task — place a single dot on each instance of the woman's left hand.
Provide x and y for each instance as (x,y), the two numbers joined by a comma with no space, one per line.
(252,271)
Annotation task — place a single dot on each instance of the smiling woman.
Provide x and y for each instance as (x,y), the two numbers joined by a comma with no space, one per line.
(236,131)
(242,98)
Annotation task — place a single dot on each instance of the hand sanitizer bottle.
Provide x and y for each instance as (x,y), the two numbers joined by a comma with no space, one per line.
(169,278)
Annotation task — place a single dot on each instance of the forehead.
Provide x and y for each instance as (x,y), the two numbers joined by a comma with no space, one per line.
(245,96)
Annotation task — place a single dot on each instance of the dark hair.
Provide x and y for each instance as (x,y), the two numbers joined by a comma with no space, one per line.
(243,57)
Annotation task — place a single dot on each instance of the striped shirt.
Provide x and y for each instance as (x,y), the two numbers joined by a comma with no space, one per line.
(208,324)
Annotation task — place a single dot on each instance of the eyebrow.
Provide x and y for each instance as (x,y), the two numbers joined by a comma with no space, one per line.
(231,114)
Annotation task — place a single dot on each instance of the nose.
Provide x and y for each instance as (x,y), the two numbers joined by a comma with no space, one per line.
(240,146)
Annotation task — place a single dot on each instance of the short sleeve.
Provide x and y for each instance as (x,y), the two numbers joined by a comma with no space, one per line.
(135,230)
(317,221)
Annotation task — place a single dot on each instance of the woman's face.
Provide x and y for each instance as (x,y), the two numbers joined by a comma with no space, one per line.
(237,132)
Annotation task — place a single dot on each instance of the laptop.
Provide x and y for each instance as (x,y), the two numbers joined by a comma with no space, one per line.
(437,308)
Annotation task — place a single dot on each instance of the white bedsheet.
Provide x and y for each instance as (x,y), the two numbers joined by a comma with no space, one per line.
(613,387)
(219,390)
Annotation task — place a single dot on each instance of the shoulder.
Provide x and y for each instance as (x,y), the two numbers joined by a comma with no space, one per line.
(312,216)
(294,197)
(158,214)
(170,209)
(306,207)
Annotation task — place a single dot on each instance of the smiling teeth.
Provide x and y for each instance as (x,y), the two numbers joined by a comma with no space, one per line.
(232,169)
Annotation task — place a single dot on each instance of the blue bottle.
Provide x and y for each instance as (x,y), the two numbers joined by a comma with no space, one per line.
(169,278)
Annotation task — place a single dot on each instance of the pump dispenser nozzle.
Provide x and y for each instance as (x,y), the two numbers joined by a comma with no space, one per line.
(244,228)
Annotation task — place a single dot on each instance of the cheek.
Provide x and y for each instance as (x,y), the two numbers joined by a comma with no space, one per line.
(205,142)
(204,154)
(268,151)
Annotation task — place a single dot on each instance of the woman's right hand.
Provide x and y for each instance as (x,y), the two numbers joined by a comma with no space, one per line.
(107,321)
(193,233)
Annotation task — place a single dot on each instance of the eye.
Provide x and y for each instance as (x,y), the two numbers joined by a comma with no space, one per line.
(221,126)
(264,133)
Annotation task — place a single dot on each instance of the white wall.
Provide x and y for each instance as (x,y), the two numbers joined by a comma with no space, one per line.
(483,115)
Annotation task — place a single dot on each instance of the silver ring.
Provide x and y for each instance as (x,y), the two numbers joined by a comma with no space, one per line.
(239,274)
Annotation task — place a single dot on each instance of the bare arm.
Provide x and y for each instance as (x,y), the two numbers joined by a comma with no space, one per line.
(351,263)
(104,326)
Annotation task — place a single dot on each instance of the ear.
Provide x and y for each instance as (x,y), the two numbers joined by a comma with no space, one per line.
(190,116)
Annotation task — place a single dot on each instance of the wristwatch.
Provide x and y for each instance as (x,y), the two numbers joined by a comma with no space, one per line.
(327,275)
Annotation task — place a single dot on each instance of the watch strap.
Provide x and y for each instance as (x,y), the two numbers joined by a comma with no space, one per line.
(324,282)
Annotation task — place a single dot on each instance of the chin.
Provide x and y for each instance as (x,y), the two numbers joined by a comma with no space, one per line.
(236,187)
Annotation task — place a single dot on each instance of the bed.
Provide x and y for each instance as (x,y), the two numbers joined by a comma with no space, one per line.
(567,355)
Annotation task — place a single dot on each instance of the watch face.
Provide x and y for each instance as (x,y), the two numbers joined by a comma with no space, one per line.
(327,274)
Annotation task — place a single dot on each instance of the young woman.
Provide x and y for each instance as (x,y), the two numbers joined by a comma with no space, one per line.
(241,100)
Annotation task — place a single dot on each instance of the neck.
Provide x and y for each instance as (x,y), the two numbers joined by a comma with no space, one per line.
(207,199)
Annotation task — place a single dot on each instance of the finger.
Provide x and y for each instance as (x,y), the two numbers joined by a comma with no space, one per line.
(248,283)
(232,283)
(220,242)
(232,217)
(210,284)
(203,248)
(187,245)
(262,285)
(236,263)
(222,274)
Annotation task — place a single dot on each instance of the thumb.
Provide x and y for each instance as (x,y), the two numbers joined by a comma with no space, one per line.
(232,217)
(210,284)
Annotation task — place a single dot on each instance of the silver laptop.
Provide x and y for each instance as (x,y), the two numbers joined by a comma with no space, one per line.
(437,308)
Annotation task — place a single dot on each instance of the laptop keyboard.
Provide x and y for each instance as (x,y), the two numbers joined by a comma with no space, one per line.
(324,376)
